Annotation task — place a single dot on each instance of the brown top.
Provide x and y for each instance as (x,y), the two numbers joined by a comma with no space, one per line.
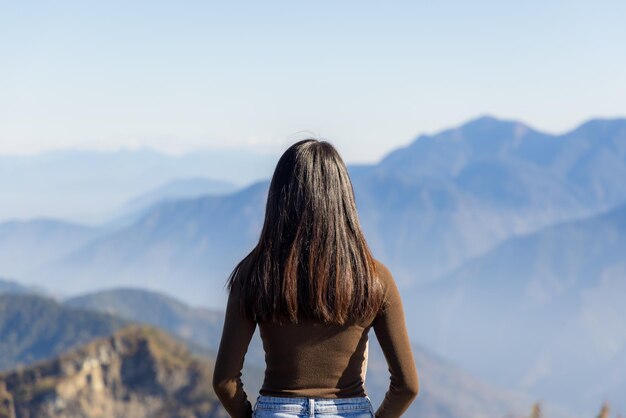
(315,360)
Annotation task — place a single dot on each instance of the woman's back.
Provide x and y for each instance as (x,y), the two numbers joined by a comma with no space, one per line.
(310,359)
(313,272)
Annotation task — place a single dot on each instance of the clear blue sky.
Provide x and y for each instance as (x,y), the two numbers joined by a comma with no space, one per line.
(368,76)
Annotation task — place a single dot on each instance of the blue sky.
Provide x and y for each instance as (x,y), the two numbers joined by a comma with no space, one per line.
(367,76)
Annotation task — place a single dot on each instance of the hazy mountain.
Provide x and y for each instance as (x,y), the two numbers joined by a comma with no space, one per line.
(200,325)
(585,153)
(8,286)
(138,372)
(134,208)
(26,245)
(542,312)
(184,248)
(13,287)
(425,209)
(180,189)
(460,207)
(449,391)
(446,198)
(86,186)
(34,328)
(196,325)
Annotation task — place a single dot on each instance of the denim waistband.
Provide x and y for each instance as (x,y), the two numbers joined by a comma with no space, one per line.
(315,404)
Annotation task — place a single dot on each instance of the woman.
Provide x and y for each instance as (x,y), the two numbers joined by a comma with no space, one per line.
(315,290)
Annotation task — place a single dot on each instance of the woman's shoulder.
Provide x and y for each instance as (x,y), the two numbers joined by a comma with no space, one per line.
(383,273)
(388,284)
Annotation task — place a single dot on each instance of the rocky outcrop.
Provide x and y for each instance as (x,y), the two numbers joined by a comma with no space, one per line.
(137,372)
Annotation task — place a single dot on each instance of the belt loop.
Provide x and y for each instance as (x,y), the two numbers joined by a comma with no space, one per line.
(311,408)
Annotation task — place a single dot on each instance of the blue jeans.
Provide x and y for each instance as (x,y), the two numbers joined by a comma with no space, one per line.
(283,407)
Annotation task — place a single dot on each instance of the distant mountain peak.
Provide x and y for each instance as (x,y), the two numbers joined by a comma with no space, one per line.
(486,123)
(601,125)
(446,153)
(485,118)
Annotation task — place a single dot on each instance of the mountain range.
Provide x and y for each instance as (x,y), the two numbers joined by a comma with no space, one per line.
(507,244)
(203,326)
(425,209)
(24,244)
(88,186)
(549,305)
(447,391)
(34,328)
(137,372)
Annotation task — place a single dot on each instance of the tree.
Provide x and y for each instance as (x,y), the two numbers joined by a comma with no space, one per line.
(604,412)
(536,413)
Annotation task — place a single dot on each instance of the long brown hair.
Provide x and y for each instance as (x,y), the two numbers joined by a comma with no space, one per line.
(312,260)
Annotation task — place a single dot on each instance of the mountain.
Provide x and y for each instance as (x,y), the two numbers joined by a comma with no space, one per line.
(87,186)
(463,220)
(183,248)
(137,372)
(33,328)
(180,189)
(445,198)
(588,152)
(26,245)
(9,286)
(186,188)
(426,209)
(201,325)
(542,313)
(449,391)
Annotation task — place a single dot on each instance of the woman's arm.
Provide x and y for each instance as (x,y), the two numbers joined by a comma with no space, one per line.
(236,337)
(390,329)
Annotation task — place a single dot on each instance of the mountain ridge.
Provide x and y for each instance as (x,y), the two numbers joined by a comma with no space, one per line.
(561,289)
(421,225)
(33,327)
(138,371)
(442,381)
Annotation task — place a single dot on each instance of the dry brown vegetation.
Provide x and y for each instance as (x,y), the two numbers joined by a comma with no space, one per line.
(604,411)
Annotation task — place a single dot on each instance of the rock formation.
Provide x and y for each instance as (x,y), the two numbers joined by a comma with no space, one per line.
(138,372)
